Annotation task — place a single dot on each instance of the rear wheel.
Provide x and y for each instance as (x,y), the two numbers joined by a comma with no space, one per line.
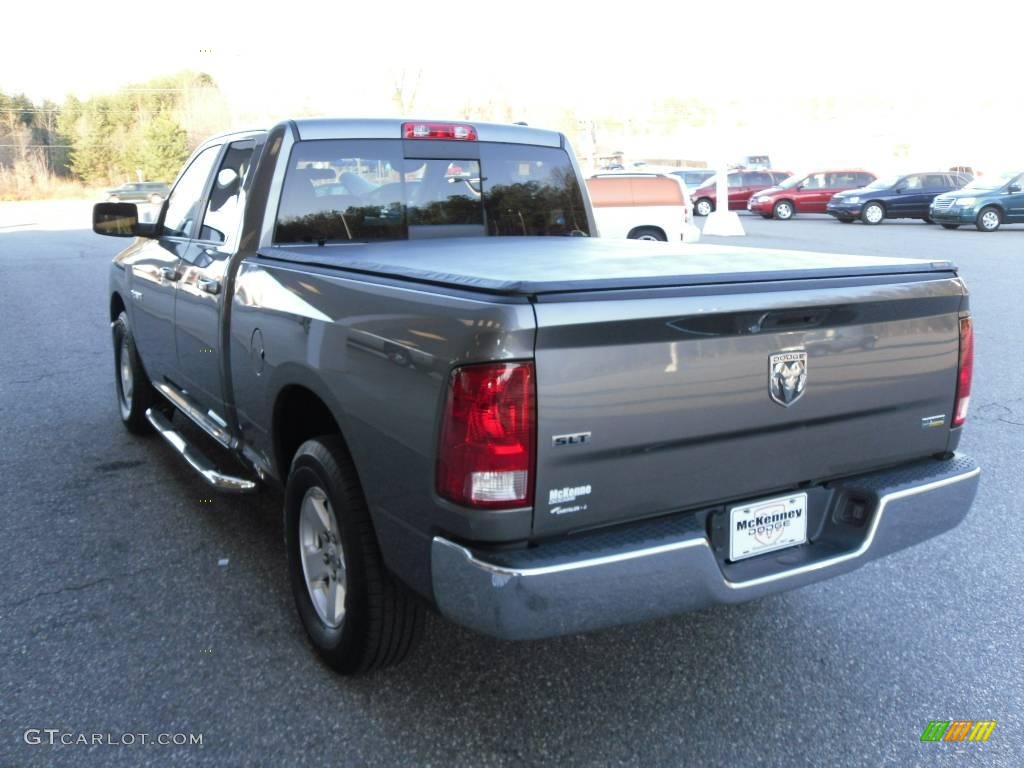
(783,210)
(356,614)
(135,393)
(989,219)
(873,213)
(647,233)
(951,226)
(704,207)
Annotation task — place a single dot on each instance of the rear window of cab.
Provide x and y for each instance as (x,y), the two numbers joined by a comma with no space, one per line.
(342,190)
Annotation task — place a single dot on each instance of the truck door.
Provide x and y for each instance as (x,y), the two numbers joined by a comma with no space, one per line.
(155,273)
(201,291)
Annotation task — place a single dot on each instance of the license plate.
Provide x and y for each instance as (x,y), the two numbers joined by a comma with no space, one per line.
(765,526)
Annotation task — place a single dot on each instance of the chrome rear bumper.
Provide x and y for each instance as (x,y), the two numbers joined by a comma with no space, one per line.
(666,567)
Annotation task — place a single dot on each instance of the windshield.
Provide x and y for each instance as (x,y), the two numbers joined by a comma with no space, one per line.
(363,190)
(884,183)
(992,180)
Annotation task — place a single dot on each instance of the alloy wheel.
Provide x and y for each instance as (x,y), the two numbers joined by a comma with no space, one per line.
(323,559)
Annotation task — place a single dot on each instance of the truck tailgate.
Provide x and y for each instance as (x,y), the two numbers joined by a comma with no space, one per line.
(652,401)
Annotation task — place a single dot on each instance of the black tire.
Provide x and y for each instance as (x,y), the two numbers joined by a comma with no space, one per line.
(784,210)
(131,405)
(951,226)
(648,233)
(381,620)
(867,213)
(703,206)
(989,219)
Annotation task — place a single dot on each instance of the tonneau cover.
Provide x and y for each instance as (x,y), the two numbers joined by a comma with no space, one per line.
(530,266)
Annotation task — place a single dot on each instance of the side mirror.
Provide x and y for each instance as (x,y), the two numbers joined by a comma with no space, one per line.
(226,177)
(1013,188)
(899,190)
(119,220)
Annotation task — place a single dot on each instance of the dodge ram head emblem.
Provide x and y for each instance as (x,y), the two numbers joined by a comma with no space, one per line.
(787,377)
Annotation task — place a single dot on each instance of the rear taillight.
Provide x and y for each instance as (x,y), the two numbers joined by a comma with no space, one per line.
(486,454)
(450,131)
(965,371)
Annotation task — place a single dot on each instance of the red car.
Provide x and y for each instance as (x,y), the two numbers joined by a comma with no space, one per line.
(806,194)
(742,184)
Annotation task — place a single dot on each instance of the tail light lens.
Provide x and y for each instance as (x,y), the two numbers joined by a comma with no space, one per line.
(450,131)
(486,455)
(965,371)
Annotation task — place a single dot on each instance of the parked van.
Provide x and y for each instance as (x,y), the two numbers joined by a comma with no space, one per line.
(642,206)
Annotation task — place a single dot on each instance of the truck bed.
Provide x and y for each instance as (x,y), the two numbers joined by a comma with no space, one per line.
(535,266)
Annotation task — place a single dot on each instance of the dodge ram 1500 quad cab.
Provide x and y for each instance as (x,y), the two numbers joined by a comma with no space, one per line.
(467,404)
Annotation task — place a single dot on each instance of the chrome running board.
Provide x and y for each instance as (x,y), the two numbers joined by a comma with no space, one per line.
(196,459)
(184,403)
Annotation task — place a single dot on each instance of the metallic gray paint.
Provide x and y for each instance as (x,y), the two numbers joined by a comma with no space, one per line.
(377,350)
(681,419)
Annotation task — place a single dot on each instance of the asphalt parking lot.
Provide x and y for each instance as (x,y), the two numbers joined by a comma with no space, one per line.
(116,617)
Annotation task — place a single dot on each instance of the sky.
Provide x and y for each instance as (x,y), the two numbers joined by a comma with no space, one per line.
(919,70)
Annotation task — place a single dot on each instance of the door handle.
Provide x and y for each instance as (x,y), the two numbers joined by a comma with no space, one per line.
(208,285)
(169,273)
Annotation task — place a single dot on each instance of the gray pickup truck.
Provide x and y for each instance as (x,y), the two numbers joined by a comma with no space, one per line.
(470,405)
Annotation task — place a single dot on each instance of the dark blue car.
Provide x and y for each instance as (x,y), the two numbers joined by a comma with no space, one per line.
(894,197)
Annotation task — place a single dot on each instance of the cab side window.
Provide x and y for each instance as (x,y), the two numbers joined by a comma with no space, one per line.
(814,181)
(912,182)
(223,215)
(846,179)
(185,205)
(735,180)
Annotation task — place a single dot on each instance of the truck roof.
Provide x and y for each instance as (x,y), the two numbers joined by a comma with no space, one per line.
(391,128)
(531,266)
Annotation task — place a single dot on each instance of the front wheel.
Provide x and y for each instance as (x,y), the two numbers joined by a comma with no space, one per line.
(704,207)
(647,233)
(783,210)
(356,614)
(873,213)
(951,226)
(135,393)
(989,219)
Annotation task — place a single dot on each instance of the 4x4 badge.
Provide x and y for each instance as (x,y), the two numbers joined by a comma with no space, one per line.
(787,377)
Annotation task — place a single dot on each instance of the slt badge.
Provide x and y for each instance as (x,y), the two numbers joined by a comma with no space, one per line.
(787,377)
